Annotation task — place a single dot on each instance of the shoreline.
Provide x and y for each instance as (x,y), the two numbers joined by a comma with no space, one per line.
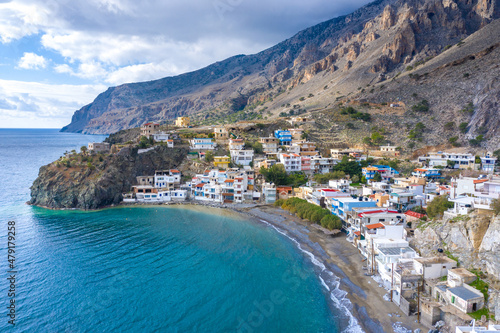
(366,297)
(359,294)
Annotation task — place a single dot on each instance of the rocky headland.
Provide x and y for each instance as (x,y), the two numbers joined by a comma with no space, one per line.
(94,181)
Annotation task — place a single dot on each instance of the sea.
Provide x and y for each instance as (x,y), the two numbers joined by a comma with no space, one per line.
(146,269)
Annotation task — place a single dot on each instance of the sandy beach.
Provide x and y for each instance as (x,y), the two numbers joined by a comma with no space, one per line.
(374,314)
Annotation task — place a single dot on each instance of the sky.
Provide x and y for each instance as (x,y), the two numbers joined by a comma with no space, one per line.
(57,56)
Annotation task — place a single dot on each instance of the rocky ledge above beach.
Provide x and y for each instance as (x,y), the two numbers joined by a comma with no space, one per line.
(86,181)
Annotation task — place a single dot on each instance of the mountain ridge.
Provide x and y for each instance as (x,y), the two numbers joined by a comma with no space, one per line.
(371,45)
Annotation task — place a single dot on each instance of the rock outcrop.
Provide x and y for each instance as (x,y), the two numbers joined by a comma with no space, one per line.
(474,240)
(85,187)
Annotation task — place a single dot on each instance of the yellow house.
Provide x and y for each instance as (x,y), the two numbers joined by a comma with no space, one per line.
(182,122)
(222,161)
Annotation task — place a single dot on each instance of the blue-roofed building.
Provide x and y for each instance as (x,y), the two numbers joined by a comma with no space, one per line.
(384,170)
(342,205)
(284,137)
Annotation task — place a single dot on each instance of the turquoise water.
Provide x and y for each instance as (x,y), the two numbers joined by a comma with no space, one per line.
(153,269)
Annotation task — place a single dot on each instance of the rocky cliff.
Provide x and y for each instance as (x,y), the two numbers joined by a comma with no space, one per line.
(352,55)
(474,240)
(98,181)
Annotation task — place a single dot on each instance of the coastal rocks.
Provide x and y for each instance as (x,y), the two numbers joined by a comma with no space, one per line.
(92,188)
(474,240)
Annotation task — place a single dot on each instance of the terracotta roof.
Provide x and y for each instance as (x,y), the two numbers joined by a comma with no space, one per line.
(229,181)
(289,188)
(357,233)
(375,226)
(421,170)
(414,214)
(371,169)
(200,185)
(478,181)
(175,171)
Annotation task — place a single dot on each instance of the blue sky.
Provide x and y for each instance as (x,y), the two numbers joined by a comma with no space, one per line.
(57,56)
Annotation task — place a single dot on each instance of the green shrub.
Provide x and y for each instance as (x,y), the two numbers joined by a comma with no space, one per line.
(449,126)
(438,206)
(423,106)
(463,127)
(331,222)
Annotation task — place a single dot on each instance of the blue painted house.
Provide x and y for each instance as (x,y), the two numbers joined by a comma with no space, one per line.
(284,137)
(384,170)
(343,205)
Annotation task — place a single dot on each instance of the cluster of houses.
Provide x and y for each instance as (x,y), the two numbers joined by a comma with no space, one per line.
(375,215)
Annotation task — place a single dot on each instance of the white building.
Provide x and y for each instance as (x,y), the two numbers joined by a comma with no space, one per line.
(292,162)
(242,157)
(98,146)
(461,161)
(340,184)
(488,163)
(322,164)
(433,267)
(161,136)
(202,144)
(236,144)
(270,145)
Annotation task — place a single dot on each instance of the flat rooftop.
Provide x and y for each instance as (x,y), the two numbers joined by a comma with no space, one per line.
(435,260)
(465,293)
(394,251)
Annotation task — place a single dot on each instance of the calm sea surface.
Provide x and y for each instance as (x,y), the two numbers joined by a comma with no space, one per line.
(156,269)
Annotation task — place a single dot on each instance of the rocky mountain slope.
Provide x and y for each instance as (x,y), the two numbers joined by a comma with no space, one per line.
(362,56)
(473,240)
(100,183)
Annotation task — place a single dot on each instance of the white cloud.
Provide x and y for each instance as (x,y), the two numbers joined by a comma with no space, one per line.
(34,104)
(32,61)
(19,19)
(118,41)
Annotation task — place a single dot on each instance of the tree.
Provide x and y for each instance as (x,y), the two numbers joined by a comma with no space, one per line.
(495,205)
(331,222)
(367,141)
(275,174)
(423,106)
(143,142)
(83,149)
(438,206)
(355,179)
(209,156)
(450,164)
(257,147)
(322,178)
(377,138)
(297,179)
(377,177)
(449,126)
(463,127)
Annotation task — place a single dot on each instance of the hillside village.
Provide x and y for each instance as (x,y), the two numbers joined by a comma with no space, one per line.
(377,197)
